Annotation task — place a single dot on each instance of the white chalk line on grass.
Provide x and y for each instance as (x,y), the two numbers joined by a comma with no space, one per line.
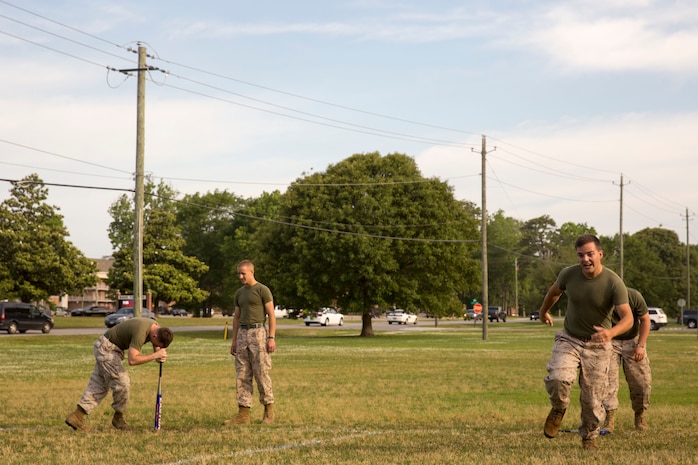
(282,447)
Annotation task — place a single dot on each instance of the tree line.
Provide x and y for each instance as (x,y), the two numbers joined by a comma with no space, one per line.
(368,233)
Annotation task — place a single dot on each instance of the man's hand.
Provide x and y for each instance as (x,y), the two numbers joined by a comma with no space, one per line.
(162,355)
(601,335)
(546,318)
(639,353)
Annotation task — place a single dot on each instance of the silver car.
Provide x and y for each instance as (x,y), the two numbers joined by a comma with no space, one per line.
(124,314)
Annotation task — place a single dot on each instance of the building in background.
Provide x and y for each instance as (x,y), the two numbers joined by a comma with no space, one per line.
(96,295)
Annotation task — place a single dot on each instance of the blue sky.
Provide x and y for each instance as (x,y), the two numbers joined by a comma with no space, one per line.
(572,94)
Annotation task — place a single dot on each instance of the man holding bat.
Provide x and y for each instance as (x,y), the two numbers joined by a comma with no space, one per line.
(109,372)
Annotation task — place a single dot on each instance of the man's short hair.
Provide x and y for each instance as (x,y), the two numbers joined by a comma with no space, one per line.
(165,336)
(584,239)
(247,263)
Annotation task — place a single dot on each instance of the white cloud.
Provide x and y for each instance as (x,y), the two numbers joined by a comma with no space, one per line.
(620,36)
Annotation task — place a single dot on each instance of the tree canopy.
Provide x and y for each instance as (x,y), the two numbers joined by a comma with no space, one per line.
(372,231)
(36,258)
(169,274)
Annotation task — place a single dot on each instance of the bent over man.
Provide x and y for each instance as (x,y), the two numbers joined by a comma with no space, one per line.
(630,351)
(109,372)
(583,347)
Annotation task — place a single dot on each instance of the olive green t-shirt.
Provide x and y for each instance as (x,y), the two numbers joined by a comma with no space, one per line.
(590,302)
(133,332)
(639,308)
(251,301)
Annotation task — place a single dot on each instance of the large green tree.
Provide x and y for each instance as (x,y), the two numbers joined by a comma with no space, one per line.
(503,239)
(654,263)
(36,259)
(169,274)
(372,231)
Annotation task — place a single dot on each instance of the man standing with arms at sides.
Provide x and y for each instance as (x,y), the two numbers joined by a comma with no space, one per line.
(583,347)
(252,344)
(109,373)
(629,350)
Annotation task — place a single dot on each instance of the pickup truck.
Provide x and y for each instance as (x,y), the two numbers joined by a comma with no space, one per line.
(496,313)
(690,318)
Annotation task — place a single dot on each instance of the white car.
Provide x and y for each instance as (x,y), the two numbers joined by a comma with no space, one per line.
(401,317)
(280,312)
(657,318)
(324,316)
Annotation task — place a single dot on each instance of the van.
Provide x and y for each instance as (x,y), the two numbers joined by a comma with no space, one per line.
(18,317)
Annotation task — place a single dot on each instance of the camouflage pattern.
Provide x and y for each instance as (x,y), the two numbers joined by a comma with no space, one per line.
(637,374)
(253,360)
(590,360)
(109,373)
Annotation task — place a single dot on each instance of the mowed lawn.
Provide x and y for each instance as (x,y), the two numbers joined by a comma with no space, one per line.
(433,396)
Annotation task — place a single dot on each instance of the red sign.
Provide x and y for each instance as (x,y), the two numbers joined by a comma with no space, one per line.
(477,308)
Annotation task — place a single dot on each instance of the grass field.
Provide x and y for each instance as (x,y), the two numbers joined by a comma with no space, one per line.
(436,396)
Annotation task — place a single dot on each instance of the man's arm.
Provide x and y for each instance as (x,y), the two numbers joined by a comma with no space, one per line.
(271,340)
(236,327)
(551,297)
(624,324)
(645,326)
(136,357)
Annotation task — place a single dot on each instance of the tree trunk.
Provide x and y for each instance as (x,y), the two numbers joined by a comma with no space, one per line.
(366,325)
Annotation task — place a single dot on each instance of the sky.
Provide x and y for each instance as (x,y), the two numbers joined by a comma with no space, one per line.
(577,101)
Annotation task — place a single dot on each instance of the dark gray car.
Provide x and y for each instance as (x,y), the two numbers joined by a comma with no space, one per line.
(18,317)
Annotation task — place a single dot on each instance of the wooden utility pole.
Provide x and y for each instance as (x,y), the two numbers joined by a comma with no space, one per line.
(483,230)
(139,201)
(620,229)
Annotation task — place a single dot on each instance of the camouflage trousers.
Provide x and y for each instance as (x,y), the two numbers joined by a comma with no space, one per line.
(574,358)
(637,374)
(253,361)
(108,374)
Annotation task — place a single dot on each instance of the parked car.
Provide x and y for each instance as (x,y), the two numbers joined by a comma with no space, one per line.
(93,310)
(18,317)
(179,312)
(657,318)
(401,317)
(535,315)
(324,316)
(496,313)
(124,314)
(689,318)
(469,314)
(280,312)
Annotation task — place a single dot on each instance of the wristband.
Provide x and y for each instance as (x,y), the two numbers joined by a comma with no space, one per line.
(639,345)
(270,337)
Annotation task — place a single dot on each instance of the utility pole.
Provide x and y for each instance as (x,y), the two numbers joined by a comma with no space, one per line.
(688,266)
(620,237)
(483,230)
(140,169)
(139,178)
(516,285)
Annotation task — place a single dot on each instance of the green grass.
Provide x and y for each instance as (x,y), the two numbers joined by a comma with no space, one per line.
(431,397)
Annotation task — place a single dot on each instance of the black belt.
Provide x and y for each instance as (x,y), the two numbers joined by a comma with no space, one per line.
(256,325)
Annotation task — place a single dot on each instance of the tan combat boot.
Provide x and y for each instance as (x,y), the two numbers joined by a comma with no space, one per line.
(268,414)
(76,420)
(242,418)
(552,423)
(640,422)
(119,422)
(610,423)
